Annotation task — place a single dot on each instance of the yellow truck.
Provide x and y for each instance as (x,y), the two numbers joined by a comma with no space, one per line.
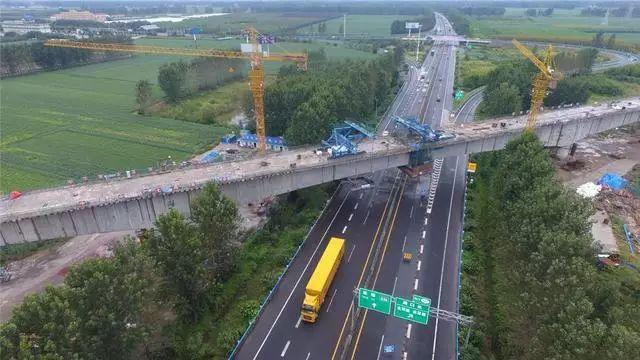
(321,279)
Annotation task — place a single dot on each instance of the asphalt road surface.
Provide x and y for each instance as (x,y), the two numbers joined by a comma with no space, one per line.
(379,224)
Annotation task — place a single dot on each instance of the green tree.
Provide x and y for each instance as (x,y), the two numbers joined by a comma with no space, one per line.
(172,79)
(217,220)
(503,100)
(568,91)
(341,29)
(178,251)
(598,39)
(611,42)
(144,93)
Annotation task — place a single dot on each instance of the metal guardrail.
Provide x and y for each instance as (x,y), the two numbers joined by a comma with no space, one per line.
(275,287)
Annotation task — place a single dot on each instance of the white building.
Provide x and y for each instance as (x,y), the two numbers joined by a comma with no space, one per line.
(22,27)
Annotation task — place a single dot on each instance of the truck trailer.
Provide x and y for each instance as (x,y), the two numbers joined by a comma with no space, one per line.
(321,279)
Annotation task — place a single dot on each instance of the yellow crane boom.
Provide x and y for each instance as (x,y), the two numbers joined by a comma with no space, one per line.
(256,74)
(545,79)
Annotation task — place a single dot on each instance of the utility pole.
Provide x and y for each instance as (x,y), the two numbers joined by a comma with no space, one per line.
(418,41)
(344,26)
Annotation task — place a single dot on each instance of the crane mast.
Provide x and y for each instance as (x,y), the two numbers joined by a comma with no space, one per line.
(256,74)
(547,78)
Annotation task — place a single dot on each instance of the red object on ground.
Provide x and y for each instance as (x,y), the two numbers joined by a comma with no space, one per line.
(14,195)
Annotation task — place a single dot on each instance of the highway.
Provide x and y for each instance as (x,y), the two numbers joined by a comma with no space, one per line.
(430,231)
(359,216)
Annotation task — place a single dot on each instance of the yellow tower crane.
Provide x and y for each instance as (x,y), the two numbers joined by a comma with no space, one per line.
(256,74)
(547,78)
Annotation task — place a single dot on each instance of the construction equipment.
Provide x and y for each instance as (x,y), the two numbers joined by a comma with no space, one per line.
(547,78)
(255,55)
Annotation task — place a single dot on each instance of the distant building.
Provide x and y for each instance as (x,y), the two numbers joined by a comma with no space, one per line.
(80,15)
(22,27)
(276,143)
(153,28)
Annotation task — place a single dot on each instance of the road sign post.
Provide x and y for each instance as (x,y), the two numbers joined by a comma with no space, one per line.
(412,311)
(374,300)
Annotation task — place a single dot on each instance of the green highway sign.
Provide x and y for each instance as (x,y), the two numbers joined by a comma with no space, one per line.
(459,95)
(412,311)
(374,300)
(421,300)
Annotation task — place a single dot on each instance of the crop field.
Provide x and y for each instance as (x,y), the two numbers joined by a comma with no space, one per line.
(377,25)
(76,122)
(233,23)
(563,25)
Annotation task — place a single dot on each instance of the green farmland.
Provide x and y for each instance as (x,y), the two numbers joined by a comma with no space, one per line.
(76,122)
(563,25)
(373,25)
(79,122)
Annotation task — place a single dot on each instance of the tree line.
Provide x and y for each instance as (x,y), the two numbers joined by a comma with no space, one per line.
(110,308)
(303,107)
(24,58)
(428,21)
(181,79)
(483,10)
(529,275)
(508,86)
(539,12)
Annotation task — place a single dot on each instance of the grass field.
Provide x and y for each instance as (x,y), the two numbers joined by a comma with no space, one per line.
(76,122)
(80,122)
(379,25)
(563,25)
(233,23)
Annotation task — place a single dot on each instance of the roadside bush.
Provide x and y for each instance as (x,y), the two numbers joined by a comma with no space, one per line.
(249,309)
(228,338)
(601,85)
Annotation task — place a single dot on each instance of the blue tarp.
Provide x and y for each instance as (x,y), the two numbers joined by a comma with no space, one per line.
(613,181)
(210,156)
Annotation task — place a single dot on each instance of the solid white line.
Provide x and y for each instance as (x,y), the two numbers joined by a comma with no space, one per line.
(331,301)
(351,253)
(308,355)
(419,263)
(366,217)
(350,216)
(380,347)
(421,248)
(355,207)
(415,284)
(298,322)
(344,229)
(446,238)
(393,291)
(286,346)
(411,212)
(300,278)
(409,331)
(404,242)
(424,233)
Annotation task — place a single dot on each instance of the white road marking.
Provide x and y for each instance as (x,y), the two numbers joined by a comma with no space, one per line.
(415,284)
(446,238)
(350,216)
(361,195)
(366,217)
(409,331)
(380,347)
(419,263)
(331,301)
(411,212)
(424,233)
(394,286)
(298,322)
(404,242)
(421,248)
(355,207)
(425,220)
(286,346)
(299,278)
(351,253)
(344,229)
(308,355)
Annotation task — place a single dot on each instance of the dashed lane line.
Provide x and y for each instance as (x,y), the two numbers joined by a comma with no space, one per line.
(286,347)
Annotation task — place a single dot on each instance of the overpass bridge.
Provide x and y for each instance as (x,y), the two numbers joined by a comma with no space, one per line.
(137,202)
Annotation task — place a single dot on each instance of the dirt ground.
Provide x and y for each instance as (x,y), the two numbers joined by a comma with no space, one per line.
(49,267)
(617,152)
